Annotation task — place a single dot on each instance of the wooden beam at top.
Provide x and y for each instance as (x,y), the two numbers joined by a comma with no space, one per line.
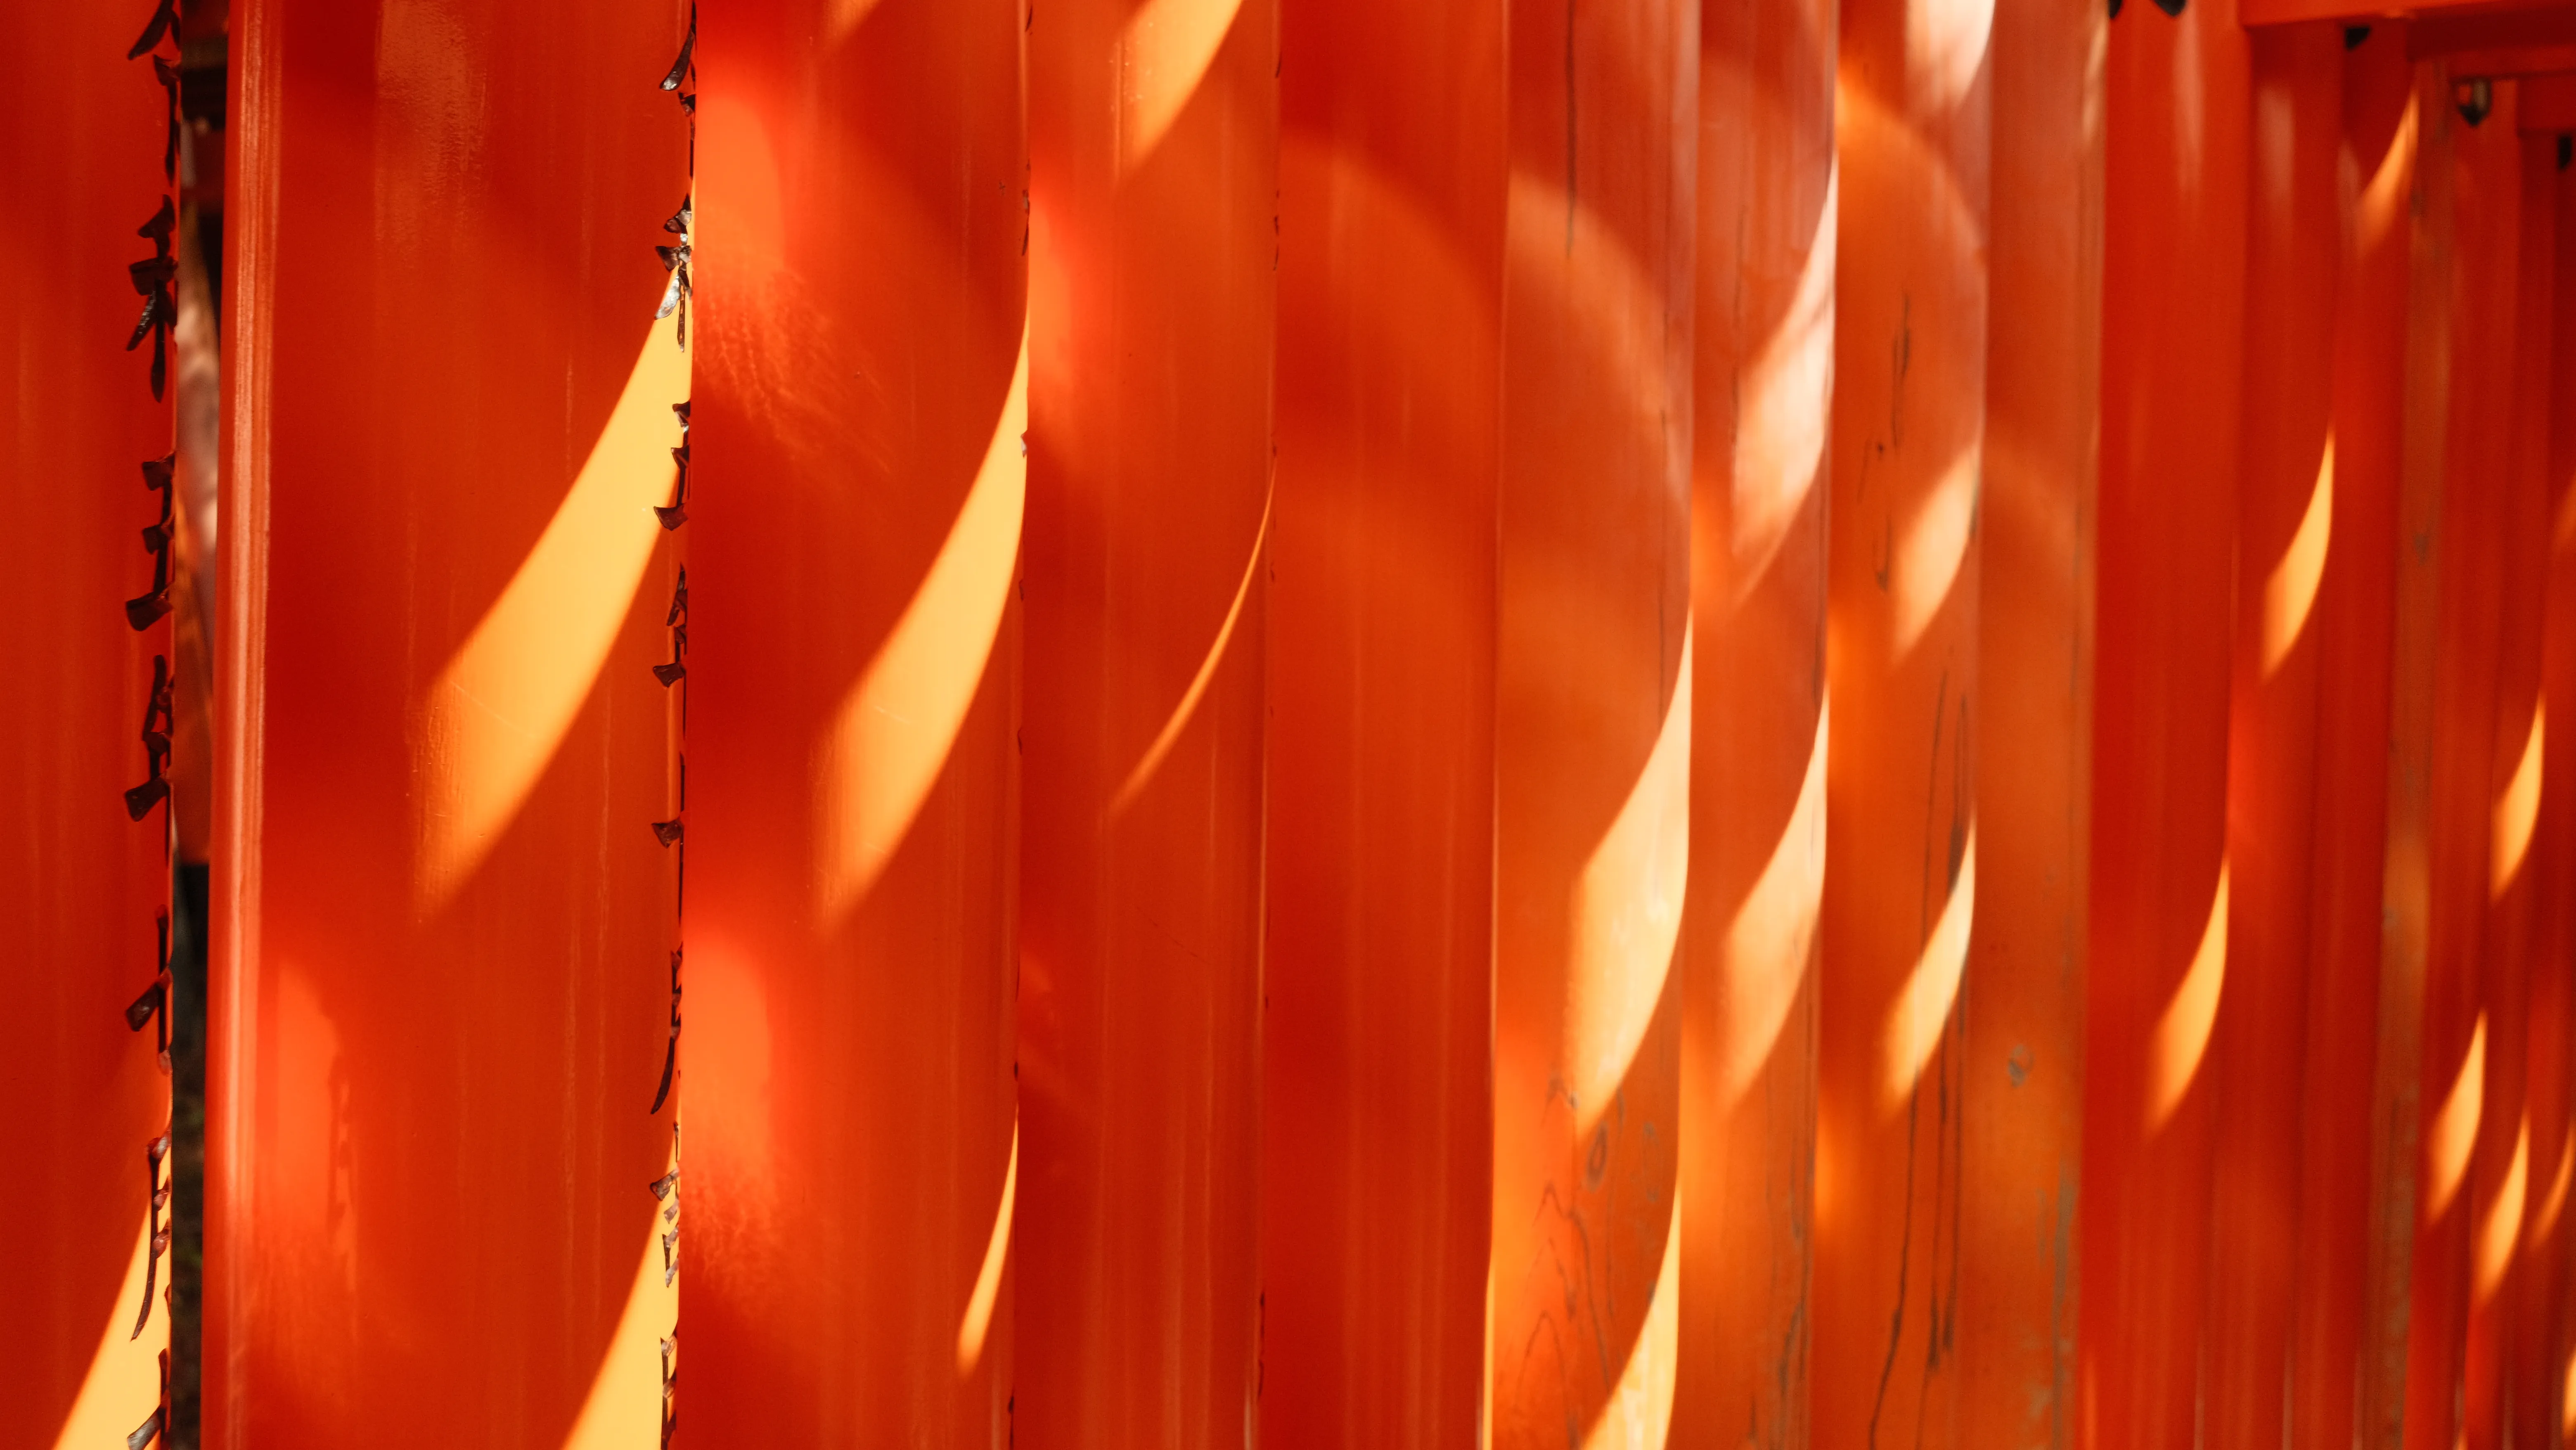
(2520,60)
(2548,103)
(2362,12)
(2491,33)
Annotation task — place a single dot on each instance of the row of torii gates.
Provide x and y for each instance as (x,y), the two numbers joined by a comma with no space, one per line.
(1590,722)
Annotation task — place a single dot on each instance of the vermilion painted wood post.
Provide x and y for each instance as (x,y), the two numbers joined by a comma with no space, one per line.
(853,523)
(2501,1184)
(2355,633)
(2461,1035)
(1378,981)
(2398,1159)
(442,914)
(1592,739)
(1913,135)
(2173,292)
(1763,388)
(1153,147)
(2022,1144)
(2285,526)
(81,878)
(2531,1371)
(2549,1327)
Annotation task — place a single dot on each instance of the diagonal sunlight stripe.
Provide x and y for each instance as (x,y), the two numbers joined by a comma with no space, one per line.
(1152,759)
(124,1379)
(624,1407)
(2517,810)
(503,704)
(2499,1231)
(2383,203)
(1164,53)
(2543,1219)
(891,737)
(1773,928)
(2290,590)
(1639,1408)
(2454,1132)
(1920,1014)
(2567,1396)
(978,1320)
(1780,436)
(1925,563)
(2181,1038)
(1625,915)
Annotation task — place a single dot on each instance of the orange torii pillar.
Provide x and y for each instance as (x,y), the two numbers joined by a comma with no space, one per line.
(854,534)
(2173,292)
(1153,136)
(2541,1407)
(2021,1147)
(2397,1149)
(2508,1153)
(442,910)
(1376,1047)
(1763,386)
(1913,135)
(2285,517)
(82,877)
(2460,1080)
(1592,739)
(2538,889)
(2352,623)
(2501,1179)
